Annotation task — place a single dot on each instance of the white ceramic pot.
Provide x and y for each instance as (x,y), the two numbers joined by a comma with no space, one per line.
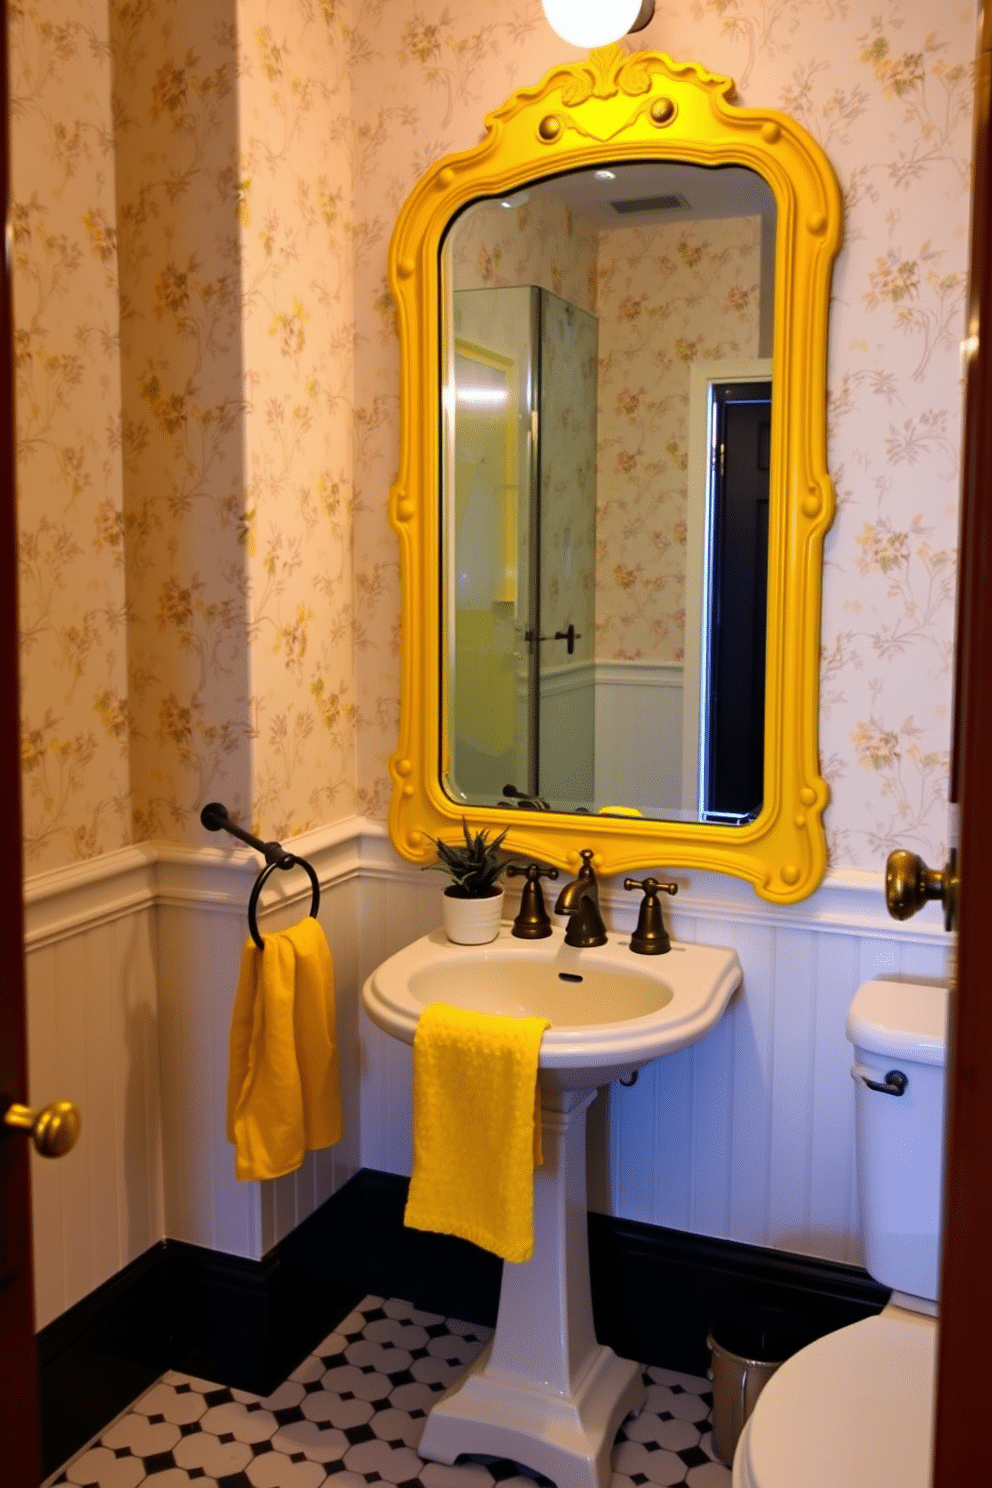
(471,921)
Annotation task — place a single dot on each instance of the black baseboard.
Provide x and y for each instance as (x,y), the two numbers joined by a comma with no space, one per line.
(95,1358)
(238,1322)
(655,1292)
(359,1233)
(247,1324)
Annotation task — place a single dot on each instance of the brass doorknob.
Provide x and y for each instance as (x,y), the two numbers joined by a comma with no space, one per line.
(909,884)
(54,1130)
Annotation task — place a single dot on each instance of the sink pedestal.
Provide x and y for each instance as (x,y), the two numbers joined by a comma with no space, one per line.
(545,1393)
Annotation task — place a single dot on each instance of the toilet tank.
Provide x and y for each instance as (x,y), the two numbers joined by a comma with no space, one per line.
(900,1028)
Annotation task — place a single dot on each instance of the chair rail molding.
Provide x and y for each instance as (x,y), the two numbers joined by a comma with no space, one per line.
(63,901)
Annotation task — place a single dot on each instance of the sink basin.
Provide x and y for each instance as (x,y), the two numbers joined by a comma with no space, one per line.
(611,1011)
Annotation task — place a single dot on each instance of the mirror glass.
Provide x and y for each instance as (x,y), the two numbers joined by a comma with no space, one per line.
(606,407)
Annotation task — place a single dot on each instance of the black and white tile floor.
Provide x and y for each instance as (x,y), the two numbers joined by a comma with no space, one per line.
(352,1415)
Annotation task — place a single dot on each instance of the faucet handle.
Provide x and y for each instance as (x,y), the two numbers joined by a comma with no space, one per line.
(532,922)
(650,938)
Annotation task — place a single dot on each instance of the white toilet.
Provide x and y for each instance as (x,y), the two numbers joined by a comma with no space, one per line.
(855,1409)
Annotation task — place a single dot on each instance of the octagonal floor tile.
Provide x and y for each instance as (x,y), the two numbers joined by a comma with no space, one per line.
(340,1421)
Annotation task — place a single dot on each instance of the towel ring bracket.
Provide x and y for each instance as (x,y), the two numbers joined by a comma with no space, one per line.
(216,818)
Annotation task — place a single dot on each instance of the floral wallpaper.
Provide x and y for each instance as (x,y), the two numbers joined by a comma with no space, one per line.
(183,308)
(176,149)
(298,337)
(669,295)
(541,241)
(73,604)
(207,387)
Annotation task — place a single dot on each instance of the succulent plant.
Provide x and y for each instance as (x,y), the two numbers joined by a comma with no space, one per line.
(475,868)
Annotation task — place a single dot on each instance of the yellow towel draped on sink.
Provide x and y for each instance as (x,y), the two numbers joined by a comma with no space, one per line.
(476,1128)
(283,1090)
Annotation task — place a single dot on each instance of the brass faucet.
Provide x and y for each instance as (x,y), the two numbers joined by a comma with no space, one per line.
(580,901)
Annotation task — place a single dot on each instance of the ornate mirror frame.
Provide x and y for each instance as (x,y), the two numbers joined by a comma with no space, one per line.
(614,107)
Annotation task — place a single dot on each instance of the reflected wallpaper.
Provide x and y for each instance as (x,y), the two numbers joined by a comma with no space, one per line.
(668,295)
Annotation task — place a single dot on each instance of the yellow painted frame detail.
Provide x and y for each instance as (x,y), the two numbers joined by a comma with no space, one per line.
(614,107)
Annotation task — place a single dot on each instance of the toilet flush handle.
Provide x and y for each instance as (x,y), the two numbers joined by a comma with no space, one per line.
(895,1081)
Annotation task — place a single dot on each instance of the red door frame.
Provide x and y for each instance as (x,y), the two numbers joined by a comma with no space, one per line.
(964,1394)
(19,1452)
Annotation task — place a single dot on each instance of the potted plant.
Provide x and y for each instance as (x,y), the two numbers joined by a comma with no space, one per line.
(472,904)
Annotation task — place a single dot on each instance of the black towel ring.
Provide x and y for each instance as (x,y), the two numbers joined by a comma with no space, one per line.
(288,861)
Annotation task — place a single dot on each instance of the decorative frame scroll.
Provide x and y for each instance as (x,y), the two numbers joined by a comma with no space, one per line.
(614,107)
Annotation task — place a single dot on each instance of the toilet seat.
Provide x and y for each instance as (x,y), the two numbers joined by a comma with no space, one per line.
(853,1410)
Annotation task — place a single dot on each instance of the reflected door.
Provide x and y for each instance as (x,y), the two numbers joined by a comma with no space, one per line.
(565,618)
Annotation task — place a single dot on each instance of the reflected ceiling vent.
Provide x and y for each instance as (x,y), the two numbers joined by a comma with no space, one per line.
(672,203)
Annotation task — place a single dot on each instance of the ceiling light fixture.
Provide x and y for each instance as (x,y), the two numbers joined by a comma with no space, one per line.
(593,23)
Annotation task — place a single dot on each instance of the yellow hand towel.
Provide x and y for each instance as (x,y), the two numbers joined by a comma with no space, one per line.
(283,1091)
(476,1128)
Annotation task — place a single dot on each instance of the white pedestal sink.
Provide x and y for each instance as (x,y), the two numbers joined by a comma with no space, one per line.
(545,1393)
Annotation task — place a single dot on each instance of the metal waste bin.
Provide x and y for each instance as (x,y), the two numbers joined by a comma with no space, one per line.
(746,1347)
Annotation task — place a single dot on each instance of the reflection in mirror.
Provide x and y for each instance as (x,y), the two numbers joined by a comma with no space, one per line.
(607,414)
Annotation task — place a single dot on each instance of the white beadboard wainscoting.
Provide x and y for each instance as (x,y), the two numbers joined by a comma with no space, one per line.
(132,962)
(582,700)
(202,918)
(647,696)
(748,1135)
(567,731)
(93,1038)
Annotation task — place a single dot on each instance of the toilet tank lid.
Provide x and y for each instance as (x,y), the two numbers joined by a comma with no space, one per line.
(907,1019)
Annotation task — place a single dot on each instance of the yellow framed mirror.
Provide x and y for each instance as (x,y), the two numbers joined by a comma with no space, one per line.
(586,140)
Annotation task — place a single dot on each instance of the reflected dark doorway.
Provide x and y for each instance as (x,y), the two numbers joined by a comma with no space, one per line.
(733,753)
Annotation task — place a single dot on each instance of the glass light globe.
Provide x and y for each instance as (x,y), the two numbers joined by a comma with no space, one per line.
(593,23)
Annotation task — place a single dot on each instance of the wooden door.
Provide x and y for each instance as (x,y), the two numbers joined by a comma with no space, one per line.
(964,1393)
(565,621)
(19,1452)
